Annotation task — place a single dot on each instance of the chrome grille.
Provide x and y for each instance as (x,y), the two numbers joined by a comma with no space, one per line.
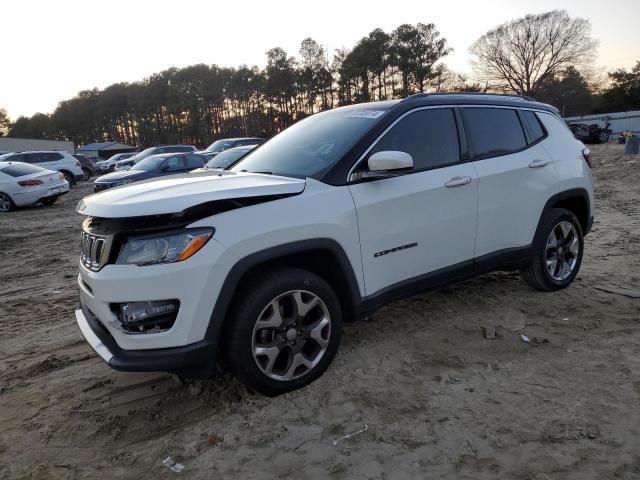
(94,250)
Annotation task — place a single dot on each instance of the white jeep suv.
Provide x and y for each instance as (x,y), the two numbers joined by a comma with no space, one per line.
(258,266)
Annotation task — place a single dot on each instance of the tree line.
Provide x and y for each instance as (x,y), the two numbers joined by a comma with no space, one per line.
(543,55)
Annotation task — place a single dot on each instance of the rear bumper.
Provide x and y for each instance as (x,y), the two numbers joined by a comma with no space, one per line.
(196,359)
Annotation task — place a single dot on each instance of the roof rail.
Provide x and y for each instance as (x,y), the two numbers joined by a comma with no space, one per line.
(423,95)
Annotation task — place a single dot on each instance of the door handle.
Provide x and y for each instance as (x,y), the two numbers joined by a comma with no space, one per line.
(458,182)
(539,163)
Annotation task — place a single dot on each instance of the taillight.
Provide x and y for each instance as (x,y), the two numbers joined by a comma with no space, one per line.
(586,154)
(77,163)
(30,183)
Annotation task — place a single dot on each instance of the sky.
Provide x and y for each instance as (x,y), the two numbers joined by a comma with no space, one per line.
(53,49)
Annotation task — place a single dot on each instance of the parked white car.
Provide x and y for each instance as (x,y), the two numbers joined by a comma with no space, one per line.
(24,184)
(332,218)
(63,162)
(106,166)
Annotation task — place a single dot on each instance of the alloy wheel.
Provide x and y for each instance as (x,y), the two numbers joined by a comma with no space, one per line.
(562,250)
(291,335)
(5,202)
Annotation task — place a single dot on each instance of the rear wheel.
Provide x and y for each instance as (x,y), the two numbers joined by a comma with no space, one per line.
(604,137)
(558,249)
(69,178)
(285,332)
(6,204)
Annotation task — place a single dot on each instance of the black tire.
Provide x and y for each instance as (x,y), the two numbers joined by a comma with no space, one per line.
(86,174)
(49,201)
(69,178)
(256,296)
(603,137)
(6,203)
(537,273)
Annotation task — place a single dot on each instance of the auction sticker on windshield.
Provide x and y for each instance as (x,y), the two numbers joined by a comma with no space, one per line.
(365,114)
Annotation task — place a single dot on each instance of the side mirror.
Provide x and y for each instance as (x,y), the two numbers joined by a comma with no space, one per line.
(388,163)
(390,160)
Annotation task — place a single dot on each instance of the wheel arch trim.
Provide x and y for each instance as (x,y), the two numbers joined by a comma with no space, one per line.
(245,264)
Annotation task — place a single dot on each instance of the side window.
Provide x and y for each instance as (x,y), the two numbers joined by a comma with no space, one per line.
(194,161)
(34,157)
(493,131)
(51,157)
(429,136)
(174,163)
(18,157)
(534,125)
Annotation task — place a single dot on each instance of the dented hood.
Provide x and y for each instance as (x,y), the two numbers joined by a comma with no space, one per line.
(176,193)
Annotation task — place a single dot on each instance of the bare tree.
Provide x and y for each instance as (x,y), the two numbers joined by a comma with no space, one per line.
(518,56)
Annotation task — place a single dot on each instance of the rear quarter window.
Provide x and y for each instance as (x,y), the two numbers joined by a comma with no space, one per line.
(493,131)
(535,126)
(21,170)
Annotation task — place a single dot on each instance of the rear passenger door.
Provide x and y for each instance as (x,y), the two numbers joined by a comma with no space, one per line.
(424,220)
(515,175)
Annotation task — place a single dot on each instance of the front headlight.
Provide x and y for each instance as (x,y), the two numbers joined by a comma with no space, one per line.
(164,248)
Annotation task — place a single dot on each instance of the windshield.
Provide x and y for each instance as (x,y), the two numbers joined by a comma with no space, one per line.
(142,154)
(312,145)
(149,164)
(219,146)
(6,155)
(227,158)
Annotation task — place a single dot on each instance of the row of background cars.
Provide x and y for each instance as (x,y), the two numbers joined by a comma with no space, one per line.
(165,160)
(43,176)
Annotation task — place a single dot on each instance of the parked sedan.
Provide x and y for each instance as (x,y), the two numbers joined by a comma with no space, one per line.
(226,143)
(227,158)
(106,166)
(24,184)
(124,165)
(151,167)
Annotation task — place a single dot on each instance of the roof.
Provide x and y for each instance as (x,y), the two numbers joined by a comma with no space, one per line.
(457,98)
(473,98)
(105,146)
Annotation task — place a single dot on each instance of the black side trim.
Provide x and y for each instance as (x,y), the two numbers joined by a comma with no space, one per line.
(508,259)
(412,286)
(194,358)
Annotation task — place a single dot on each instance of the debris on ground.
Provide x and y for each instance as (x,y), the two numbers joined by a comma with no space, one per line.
(490,332)
(524,338)
(626,292)
(349,435)
(540,340)
(212,439)
(173,465)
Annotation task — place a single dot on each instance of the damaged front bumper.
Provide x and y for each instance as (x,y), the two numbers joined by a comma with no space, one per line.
(196,359)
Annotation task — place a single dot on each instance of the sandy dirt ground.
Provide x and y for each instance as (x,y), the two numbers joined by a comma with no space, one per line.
(436,398)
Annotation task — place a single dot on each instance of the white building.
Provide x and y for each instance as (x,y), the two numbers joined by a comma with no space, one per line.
(8,144)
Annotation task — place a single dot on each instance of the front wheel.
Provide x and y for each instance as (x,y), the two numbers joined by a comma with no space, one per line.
(285,331)
(558,249)
(86,174)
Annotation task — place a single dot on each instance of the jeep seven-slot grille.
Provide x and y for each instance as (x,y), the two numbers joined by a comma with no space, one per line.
(94,251)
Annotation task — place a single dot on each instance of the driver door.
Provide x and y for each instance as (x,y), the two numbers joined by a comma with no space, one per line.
(417,223)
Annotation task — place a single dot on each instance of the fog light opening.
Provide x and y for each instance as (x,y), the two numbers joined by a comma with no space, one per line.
(147,317)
